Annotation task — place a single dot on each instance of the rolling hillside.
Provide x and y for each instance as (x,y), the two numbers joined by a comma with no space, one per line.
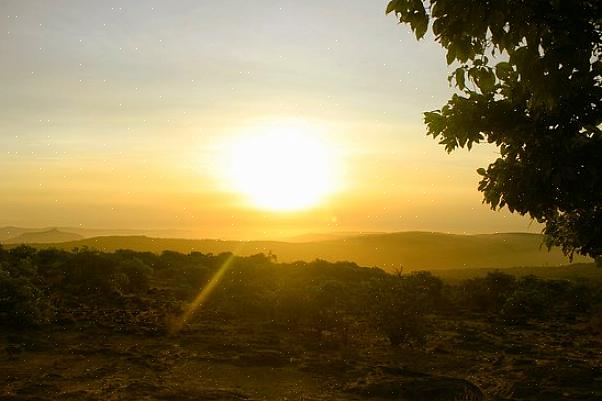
(412,250)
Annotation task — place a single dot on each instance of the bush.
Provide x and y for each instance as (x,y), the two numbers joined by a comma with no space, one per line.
(21,302)
(398,308)
(524,304)
(315,297)
(22,252)
(137,276)
(88,273)
(488,294)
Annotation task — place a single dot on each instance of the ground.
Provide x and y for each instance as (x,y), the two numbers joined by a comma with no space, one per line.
(213,358)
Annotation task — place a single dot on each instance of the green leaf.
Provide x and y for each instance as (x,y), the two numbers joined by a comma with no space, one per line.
(485,80)
(450,56)
(421,26)
(482,171)
(392,6)
(460,78)
(503,70)
(438,28)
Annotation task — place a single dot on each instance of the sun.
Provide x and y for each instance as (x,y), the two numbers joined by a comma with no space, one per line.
(282,169)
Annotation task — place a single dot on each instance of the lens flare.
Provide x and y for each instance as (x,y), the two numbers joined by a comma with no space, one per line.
(202,297)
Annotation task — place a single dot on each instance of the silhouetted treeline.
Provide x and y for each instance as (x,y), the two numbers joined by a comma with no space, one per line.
(145,292)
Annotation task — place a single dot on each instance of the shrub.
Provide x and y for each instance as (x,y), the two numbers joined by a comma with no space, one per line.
(397,309)
(91,273)
(524,304)
(21,302)
(22,252)
(137,275)
(488,294)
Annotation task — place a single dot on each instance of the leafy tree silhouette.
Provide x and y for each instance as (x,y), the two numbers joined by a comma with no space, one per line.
(540,104)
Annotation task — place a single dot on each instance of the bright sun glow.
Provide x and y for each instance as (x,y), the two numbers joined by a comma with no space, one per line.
(282,169)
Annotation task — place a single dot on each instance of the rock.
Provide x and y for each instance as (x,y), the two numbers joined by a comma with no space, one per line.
(202,395)
(417,388)
(271,358)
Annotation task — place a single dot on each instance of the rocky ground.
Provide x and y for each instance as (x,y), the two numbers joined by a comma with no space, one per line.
(468,358)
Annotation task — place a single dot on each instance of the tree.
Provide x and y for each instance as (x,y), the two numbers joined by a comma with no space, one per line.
(528,76)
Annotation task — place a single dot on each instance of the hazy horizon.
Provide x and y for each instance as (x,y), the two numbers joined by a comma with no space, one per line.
(182,233)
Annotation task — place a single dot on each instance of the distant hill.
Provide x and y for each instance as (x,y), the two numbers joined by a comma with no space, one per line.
(321,236)
(52,236)
(413,250)
(9,232)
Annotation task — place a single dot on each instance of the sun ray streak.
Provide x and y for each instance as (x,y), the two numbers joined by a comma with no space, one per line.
(202,297)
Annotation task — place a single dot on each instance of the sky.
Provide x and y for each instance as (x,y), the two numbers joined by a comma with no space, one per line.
(122,114)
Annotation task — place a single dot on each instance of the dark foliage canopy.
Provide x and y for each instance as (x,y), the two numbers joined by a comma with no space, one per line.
(528,76)
(143,293)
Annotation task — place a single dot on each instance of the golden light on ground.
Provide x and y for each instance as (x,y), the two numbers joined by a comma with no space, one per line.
(282,168)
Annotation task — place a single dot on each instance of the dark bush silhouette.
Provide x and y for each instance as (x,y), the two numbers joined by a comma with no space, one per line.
(321,301)
(22,303)
(399,305)
(487,294)
(137,275)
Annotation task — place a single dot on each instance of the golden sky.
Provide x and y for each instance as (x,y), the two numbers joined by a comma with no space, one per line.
(124,114)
